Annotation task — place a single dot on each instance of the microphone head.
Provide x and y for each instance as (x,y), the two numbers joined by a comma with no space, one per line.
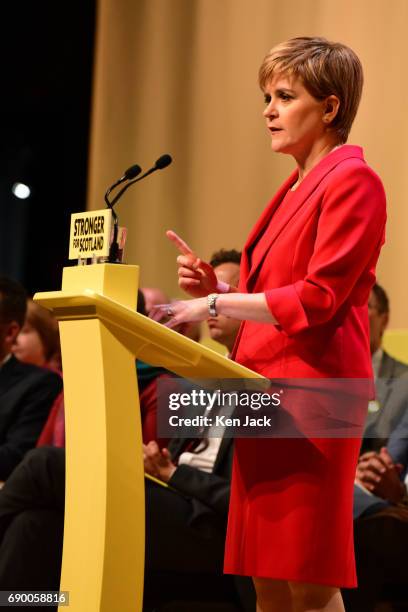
(163,162)
(132,172)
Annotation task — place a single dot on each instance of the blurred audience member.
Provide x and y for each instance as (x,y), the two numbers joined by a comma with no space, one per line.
(38,341)
(226,267)
(380,510)
(381,528)
(153,296)
(26,391)
(391,378)
(185,525)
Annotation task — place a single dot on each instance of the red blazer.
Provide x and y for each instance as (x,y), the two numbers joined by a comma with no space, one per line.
(316,271)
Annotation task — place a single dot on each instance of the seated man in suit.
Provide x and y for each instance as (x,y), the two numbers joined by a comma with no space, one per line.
(185,525)
(381,529)
(380,506)
(384,414)
(27,392)
(391,378)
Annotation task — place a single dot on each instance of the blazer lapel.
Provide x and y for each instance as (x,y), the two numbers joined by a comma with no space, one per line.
(387,366)
(222,451)
(300,197)
(385,379)
(266,216)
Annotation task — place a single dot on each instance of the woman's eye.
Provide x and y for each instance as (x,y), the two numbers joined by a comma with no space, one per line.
(284,96)
(267,98)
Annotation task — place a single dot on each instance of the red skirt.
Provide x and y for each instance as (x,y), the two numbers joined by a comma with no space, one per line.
(291,510)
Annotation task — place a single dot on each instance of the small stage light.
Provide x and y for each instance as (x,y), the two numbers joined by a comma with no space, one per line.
(21,191)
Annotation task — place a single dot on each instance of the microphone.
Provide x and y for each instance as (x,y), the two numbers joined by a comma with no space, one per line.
(132,172)
(128,175)
(163,161)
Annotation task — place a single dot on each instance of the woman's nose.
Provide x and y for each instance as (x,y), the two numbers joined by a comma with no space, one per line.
(270,110)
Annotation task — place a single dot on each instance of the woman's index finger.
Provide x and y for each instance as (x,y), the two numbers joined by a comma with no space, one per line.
(179,242)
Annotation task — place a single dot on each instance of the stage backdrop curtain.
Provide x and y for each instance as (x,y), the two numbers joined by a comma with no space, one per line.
(180,77)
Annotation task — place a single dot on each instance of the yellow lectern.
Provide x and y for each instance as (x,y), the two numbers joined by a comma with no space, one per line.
(101,334)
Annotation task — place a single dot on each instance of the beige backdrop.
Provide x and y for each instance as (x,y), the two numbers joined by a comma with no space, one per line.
(180,77)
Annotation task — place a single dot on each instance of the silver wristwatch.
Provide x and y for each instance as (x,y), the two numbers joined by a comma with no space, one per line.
(211,301)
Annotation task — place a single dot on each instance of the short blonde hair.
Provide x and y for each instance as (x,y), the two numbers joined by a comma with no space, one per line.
(325,68)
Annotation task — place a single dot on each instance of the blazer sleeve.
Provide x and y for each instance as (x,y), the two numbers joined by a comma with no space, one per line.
(23,433)
(210,489)
(350,232)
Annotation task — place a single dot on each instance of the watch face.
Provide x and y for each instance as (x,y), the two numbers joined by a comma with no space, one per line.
(212,298)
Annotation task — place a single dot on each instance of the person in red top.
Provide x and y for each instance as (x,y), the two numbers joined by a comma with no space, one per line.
(38,343)
(306,273)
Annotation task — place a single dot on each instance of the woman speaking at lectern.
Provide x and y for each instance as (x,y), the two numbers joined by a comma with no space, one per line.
(306,273)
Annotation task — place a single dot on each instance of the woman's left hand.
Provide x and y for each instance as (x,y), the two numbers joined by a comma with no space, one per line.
(182,311)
